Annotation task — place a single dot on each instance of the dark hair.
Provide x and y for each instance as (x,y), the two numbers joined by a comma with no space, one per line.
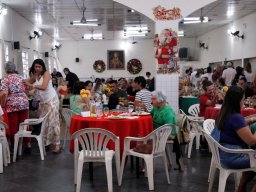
(103,80)
(243,79)
(206,83)
(141,81)
(77,87)
(39,62)
(86,83)
(248,67)
(231,104)
(148,73)
(113,81)
(208,69)
(66,69)
(222,81)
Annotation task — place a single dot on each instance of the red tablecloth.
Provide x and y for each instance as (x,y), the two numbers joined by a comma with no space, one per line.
(122,127)
(211,112)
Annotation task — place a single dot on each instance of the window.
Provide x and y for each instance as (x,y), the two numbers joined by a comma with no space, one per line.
(25,64)
(6,53)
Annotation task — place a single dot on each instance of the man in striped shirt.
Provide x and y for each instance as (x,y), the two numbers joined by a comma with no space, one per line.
(143,96)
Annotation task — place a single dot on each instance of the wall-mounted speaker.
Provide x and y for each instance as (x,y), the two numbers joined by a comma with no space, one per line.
(46,54)
(77,59)
(16,45)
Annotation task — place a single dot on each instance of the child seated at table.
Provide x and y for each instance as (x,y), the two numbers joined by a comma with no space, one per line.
(77,103)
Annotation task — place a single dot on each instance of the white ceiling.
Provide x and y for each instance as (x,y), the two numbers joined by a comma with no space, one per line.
(54,17)
(217,12)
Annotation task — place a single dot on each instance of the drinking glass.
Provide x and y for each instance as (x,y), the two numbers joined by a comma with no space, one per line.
(138,110)
(106,111)
(130,109)
(99,113)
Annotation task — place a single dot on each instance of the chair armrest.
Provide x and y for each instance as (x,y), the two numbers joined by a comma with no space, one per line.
(29,123)
(127,140)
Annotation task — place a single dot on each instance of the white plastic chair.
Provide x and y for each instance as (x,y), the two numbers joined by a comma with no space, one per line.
(208,126)
(196,132)
(4,147)
(159,138)
(94,149)
(67,114)
(224,173)
(23,132)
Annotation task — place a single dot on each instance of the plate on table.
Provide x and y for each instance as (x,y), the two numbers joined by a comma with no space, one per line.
(116,117)
(140,114)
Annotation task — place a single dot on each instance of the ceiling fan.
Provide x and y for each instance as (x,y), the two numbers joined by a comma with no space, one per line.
(84,21)
(192,20)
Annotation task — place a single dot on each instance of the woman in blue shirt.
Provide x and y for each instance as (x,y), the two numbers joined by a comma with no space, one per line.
(233,132)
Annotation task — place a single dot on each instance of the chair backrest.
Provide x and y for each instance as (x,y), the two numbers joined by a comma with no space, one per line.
(3,126)
(194,110)
(42,120)
(94,142)
(159,137)
(67,114)
(214,146)
(208,125)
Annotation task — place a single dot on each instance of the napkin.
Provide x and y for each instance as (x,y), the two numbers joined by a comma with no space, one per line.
(132,117)
(85,114)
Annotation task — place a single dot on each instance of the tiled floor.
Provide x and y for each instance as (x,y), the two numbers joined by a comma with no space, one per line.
(55,174)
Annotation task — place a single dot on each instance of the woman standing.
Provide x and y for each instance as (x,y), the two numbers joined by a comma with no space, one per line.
(233,132)
(14,100)
(41,82)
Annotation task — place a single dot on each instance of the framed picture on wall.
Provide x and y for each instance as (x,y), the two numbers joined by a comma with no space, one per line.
(116,60)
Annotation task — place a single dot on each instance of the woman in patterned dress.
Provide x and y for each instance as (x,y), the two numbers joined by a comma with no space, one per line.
(41,82)
(14,100)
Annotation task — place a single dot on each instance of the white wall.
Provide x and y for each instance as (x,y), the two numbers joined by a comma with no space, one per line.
(17,28)
(223,46)
(89,51)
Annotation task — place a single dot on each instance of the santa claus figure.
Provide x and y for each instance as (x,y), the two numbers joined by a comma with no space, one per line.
(166,51)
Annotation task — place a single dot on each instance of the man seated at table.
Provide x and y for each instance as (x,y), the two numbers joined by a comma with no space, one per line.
(209,98)
(242,82)
(117,96)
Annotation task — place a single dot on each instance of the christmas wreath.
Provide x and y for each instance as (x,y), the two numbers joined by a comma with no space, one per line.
(134,66)
(99,66)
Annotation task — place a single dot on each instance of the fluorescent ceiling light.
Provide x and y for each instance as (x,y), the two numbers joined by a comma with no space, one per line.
(191,19)
(135,32)
(93,36)
(205,20)
(180,33)
(87,20)
(86,24)
(135,35)
(3,9)
(230,11)
(136,28)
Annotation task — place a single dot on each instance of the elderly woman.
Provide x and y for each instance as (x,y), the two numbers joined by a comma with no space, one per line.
(14,100)
(162,113)
(40,81)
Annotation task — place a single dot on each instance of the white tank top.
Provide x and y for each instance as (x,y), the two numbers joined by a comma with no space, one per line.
(47,94)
